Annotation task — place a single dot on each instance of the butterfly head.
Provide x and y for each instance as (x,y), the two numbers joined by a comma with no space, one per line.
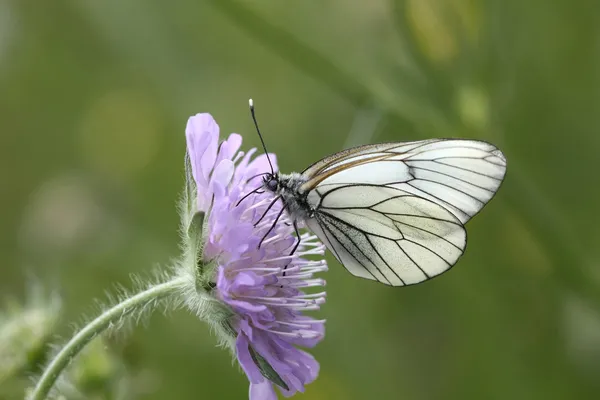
(283,184)
(271,182)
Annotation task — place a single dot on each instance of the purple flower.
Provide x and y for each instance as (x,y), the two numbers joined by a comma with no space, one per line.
(256,279)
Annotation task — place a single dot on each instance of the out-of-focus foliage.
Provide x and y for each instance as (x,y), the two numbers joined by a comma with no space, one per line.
(98,374)
(94,96)
(25,331)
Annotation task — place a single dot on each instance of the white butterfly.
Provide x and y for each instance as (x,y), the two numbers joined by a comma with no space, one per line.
(394,212)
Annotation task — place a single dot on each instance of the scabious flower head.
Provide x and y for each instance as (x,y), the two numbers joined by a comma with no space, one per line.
(244,270)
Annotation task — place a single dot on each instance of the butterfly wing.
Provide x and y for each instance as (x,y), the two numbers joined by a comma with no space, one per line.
(460,175)
(395,212)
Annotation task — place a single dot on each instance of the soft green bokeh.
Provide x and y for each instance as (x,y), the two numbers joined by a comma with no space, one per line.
(94,97)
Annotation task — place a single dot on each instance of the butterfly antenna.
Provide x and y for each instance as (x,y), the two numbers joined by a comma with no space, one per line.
(251,103)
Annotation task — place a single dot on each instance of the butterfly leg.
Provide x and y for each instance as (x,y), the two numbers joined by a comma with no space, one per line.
(267,210)
(298,240)
(272,227)
(257,190)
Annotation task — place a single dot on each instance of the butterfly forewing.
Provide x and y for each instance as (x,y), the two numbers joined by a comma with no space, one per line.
(460,175)
(395,212)
(358,152)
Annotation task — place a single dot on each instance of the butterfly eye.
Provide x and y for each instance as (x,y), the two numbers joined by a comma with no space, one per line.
(272,185)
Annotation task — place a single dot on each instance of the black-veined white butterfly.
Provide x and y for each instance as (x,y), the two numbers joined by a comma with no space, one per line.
(393,212)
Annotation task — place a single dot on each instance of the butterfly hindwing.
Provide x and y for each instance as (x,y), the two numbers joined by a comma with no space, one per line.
(400,240)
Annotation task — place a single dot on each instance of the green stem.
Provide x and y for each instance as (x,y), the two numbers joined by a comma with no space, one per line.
(96,327)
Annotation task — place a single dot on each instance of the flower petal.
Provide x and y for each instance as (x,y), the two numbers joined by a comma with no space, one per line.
(223,173)
(210,126)
(202,136)
(242,170)
(229,147)
(246,306)
(246,361)
(262,391)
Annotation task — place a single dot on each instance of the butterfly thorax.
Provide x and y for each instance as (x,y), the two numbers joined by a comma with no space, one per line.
(288,188)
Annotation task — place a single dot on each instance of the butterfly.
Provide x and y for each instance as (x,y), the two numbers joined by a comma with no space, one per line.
(392,212)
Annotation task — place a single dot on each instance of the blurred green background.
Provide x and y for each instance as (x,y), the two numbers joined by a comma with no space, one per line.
(94,97)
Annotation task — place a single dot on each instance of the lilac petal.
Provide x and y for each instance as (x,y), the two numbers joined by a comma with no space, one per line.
(262,391)
(245,327)
(197,143)
(317,327)
(246,306)
(223,173)
(246,361)
(293,383)
(238,238)
(302,372)
(221,278)
(263,347)
(241,170)
(245,279)
(215,194)
(229,147)
(202,133)
(291,392)
(308,367)
(249,280)
(263,319)
(208,159)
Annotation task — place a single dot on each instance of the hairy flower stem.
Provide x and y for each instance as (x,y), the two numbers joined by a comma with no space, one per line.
(99,325)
